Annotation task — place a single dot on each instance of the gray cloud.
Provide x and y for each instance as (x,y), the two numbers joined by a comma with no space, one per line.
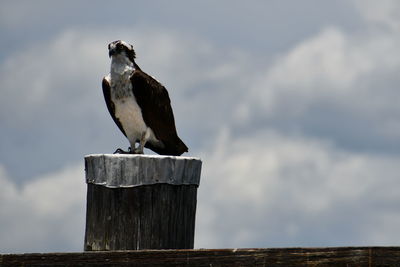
(63,108)
(46,214)
(276,190)
(298,127)
(333,86)
(385,15)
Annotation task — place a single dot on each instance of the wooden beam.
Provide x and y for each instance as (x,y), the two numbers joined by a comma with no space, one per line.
(336,256)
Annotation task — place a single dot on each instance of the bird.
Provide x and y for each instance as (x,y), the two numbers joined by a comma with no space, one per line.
(139,105)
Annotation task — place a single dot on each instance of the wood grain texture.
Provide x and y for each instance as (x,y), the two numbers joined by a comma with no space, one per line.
(160,216)
(339,256)
(122,170)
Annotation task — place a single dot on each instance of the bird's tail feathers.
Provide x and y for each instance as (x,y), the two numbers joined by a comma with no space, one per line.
(176,148)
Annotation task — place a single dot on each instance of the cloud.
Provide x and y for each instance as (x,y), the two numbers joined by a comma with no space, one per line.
(385,13)
(61,77)
(53,103)
(46,214)
(333,85)
(329,65)
(54,93)
(56,75)
(300,150)
(270,190)
(277,190)
(15,15)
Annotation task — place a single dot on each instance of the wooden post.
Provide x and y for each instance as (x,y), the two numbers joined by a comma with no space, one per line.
(140,201)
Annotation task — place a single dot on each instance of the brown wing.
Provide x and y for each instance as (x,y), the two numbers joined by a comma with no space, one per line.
(153,100)
(110,105)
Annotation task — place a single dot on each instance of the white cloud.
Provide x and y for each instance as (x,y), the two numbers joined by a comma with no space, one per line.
(262,185)
(272,190)
(53,88)
(385,12)
(46,214)
(63,75)
(65,72)
(333,85)
(261,190)
(333,67)
(60,74)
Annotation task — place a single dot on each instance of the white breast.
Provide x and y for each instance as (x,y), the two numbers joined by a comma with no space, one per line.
(129,114)
(127,110)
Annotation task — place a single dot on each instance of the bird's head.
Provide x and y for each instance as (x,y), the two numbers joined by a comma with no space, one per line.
(121,48)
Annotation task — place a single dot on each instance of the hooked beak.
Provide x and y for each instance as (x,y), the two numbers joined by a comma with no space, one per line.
(111,52)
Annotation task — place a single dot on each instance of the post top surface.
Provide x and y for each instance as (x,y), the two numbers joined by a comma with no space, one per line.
(142,156)
(130,170)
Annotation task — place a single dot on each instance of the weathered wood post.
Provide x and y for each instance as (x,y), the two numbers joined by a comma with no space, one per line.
(140,201)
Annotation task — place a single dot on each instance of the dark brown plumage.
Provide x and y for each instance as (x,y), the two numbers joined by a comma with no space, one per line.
(154,101)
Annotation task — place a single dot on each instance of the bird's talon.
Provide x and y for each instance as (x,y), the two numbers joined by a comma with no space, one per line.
(138,151)
(135,151)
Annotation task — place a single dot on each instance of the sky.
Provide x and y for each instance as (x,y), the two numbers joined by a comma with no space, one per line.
(293,107)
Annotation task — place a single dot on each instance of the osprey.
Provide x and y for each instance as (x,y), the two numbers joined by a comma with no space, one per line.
(139,105)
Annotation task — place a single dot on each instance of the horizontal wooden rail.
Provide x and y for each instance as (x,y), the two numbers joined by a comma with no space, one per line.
(335,256)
